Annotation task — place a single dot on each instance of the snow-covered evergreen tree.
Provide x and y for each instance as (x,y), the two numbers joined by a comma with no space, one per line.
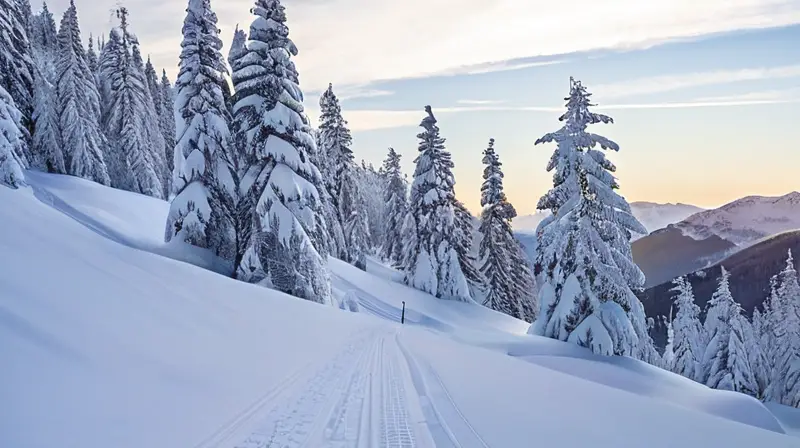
(273,139)
(166,122)
(203,182)
(726,362)
(337,165)
(16,62)
(757,353)
(688,343)
(594,305)
(668,358)
(432,262)
(396,206)
(46,145)
(138,163)
(508,278)
(372,184)
(91,55)
(78,105)
(11,143)
(785,385)
(152,129)
(45,34)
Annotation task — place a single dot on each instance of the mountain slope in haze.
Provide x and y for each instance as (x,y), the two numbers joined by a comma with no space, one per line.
(106,344)
(653,216)
(750,268)
(706,238)
(746,220)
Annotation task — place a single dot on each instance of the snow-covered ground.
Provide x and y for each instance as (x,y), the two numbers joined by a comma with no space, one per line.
(105,341)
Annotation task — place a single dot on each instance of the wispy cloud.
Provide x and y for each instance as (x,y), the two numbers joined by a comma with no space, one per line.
(369,120)
(350,93)
(356,42)
(669,83)
(480,102)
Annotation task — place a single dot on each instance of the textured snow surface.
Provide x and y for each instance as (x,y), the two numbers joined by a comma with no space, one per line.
(746,220)
(107,344)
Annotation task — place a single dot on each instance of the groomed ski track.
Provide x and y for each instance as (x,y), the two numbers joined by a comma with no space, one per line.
(374,393)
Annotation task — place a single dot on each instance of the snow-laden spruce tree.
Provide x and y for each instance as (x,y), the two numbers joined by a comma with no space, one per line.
(16,62)
(592,212)
(431,237)
(689,340)
(274,140)
(204,187)
(508,278)
(78,105)
(157,106)
(137,164)
(785,385)
(166,121)
(151,123)
(757,353)
(11,143)
(727,366)
(373,184)
(395,198)
(668,358)
(46,145)
(336,165)
(91,55)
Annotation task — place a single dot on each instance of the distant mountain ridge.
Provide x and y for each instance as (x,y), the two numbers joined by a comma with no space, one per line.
(707,237)
(746,220)
(652,215)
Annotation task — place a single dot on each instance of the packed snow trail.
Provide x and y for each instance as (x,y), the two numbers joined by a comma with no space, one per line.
(362,397)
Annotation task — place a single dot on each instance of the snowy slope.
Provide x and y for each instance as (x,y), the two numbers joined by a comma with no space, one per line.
(746,220)
(105,344)
(653,216)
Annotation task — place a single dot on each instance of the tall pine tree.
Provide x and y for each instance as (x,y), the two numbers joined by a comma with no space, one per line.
(588,296)
(726,364)
(337,167)
(274,141)
(396,205)
(46,146)
(166,121)
(509,280)
(431,237)
(203,185)
(689,342)
(785,384)
(137,163)
(78,105)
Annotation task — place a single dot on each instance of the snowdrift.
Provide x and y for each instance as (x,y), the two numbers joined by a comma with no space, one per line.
(106,341)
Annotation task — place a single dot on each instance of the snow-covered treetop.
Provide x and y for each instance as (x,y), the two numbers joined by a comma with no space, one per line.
(201,46)
(492,188)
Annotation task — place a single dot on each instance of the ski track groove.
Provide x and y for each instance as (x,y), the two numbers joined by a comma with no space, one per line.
(438,405)
(357,399)
(293,421)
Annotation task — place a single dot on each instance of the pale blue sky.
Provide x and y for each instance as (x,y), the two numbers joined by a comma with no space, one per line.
(706,95)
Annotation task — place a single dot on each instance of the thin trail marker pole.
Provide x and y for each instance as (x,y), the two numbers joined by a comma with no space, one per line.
(403,315)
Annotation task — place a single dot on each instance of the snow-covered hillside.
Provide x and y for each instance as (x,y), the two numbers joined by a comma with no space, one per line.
(107,342)
(653,216)
(746,220)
